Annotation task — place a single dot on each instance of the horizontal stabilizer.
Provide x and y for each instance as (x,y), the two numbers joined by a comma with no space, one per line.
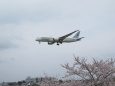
(79,38)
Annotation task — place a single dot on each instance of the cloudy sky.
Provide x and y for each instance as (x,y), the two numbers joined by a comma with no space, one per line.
(22,21)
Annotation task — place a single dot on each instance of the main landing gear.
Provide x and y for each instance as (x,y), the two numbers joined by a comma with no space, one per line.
(58,43)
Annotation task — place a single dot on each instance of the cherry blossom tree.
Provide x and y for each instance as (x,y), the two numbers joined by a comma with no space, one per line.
(97,73)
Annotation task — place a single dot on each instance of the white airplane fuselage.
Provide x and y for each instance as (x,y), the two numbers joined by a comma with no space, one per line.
(50,39)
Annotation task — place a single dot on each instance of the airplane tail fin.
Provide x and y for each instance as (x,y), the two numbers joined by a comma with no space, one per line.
(77,35)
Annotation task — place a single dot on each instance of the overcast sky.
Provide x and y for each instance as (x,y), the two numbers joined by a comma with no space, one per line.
(22,21)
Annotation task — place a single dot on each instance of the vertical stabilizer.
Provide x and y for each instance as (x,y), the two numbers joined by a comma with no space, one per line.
(77,35)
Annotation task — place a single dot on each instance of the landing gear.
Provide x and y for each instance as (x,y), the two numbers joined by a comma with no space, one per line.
(57,44)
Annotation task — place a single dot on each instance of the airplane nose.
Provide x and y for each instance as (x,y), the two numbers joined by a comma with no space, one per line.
(38,39)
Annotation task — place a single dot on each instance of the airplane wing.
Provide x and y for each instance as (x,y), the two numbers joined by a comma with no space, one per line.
(65,36)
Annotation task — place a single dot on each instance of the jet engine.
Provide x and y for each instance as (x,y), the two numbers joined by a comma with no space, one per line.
(51,41)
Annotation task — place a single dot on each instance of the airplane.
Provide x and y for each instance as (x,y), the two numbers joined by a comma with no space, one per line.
(60,40)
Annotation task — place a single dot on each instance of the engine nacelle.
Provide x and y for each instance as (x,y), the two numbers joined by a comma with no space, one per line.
(51,41)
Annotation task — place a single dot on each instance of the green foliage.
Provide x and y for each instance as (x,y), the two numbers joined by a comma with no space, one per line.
(35,84)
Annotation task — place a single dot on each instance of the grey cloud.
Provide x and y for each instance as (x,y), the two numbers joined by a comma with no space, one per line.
(8,37)
(6,60)
(6,44)
(26,12)
(30,17)
(9,19)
